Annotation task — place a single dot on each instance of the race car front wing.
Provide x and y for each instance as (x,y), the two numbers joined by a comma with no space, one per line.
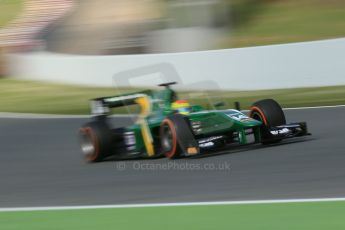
(289,130)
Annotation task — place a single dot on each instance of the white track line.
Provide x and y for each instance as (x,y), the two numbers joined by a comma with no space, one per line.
(55,116)
(51,116)
(316,107)
(38,116)
(81,207)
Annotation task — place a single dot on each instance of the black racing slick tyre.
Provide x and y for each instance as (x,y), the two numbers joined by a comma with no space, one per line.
(96,140)
(270,113)
(176,136)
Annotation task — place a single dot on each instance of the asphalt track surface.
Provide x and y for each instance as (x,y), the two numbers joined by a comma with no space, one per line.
(41,165)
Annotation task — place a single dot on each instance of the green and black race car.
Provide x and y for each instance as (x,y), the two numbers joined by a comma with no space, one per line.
(163,128)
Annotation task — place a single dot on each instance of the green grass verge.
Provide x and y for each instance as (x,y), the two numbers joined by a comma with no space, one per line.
(284,21)
(9,10)
(288,216)
(33,97)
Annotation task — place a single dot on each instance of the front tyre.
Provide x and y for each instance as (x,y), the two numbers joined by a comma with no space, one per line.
(270,113)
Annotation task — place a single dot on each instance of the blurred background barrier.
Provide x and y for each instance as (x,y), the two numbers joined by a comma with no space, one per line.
(108,27)
(47,38)
(35,16)
(307,64)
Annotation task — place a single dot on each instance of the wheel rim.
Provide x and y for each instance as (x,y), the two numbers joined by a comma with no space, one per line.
(263,129)
(88,144)
(257,116)
(167,140)
(257,112)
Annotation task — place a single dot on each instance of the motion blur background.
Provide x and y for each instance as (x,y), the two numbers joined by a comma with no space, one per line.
(55,55)
(154,26)
(124,27)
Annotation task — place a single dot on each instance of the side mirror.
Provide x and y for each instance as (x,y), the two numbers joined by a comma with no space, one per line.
(219,104)
(197,108)
(237,105)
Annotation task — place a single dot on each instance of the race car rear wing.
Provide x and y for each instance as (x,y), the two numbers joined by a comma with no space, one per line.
(102,105)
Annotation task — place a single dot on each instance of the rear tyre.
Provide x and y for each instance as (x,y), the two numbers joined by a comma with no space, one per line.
(174,132)
(270,113)
(96,140)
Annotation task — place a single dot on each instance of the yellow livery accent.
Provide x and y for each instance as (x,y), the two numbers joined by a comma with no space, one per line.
(145,105)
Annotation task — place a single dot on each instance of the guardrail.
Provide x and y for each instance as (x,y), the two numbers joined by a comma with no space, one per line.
(307,64)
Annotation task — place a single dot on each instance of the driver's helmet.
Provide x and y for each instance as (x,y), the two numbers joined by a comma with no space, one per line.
(181,107)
